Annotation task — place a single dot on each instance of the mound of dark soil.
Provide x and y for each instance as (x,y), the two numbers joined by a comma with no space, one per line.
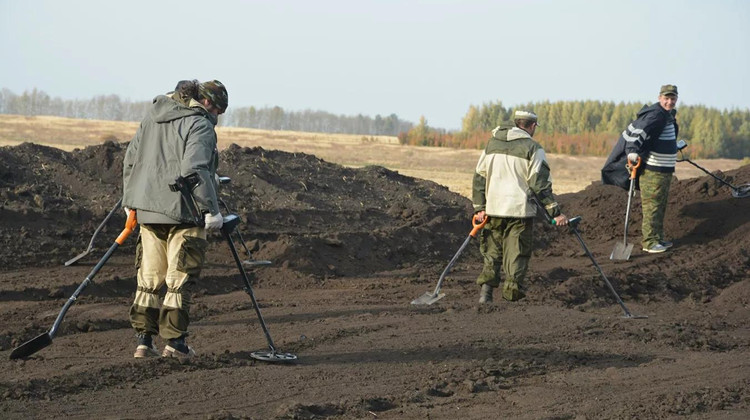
(315,219)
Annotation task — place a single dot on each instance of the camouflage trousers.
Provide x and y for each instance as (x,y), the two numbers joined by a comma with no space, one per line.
(171,254)
(506,244)
(654,196)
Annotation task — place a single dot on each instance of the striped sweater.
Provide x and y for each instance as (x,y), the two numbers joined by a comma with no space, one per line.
(653,135)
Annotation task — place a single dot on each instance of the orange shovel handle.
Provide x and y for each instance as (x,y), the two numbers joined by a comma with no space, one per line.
(477,226)
(632,168)
(130,225)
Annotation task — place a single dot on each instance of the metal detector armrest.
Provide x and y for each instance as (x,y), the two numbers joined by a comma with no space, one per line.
(185,185)
(230,223)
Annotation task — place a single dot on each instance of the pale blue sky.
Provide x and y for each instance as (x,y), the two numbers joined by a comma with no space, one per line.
(411,58)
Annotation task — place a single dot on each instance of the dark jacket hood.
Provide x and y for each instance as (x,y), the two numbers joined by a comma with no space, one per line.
(166,109)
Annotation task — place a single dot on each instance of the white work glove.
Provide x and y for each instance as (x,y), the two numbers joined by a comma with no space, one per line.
(213,221)
(127,211)
(633,157)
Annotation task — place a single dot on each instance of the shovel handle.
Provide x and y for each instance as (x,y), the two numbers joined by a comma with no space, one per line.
(477,226)
(633,168)
(130,225)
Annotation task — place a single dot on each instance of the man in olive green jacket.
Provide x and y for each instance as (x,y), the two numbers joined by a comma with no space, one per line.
(177,138)
(511,167)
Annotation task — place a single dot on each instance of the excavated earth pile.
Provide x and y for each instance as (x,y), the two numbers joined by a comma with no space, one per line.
(349,249)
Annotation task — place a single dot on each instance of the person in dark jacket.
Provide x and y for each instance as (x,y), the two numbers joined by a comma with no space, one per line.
(176,138)
(652,137)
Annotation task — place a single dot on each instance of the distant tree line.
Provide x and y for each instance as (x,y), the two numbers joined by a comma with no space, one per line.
(567,127)
(111,107)
(592,128)
(276,118)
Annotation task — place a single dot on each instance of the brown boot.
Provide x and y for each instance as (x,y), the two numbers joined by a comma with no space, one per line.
(485,295)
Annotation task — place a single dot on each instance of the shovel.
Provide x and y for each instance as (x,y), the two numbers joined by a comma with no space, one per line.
(622,250)
(34,345)
(431,297)
(96,232)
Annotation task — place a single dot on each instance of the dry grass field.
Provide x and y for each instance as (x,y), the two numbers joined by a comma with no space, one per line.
(450,167)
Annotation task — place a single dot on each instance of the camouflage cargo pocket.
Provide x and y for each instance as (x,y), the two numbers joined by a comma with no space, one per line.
(192,255)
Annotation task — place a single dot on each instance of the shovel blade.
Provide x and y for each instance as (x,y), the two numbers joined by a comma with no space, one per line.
(427,299)
(621,252)
(32,346)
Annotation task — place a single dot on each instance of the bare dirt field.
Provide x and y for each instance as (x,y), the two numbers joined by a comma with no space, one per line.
(351,247)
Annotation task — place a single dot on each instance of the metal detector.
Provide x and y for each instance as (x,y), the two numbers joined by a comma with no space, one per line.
(249,261)
(230,222)
(742,191)
(96,232)
(573,227)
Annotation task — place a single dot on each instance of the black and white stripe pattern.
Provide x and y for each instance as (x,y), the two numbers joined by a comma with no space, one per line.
(635,135)
(662,156)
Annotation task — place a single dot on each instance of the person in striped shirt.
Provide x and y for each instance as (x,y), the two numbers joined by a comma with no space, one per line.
(652,137)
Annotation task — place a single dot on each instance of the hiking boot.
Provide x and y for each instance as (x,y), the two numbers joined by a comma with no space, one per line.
(146,347)
(485,295)
(666,244)
(655,249)
(178,348)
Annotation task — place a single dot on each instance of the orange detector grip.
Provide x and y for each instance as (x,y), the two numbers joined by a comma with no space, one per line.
(633,168)
(130,225)
(478,226)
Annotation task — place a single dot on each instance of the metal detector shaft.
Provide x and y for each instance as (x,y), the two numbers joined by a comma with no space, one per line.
(226,180)
(573,226)
(229,223)
(742,191)
(93,237)
(250,261)
(709,173)
(237,232)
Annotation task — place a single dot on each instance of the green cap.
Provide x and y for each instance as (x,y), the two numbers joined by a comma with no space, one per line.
(216,93)
(525,115)
(668,90)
